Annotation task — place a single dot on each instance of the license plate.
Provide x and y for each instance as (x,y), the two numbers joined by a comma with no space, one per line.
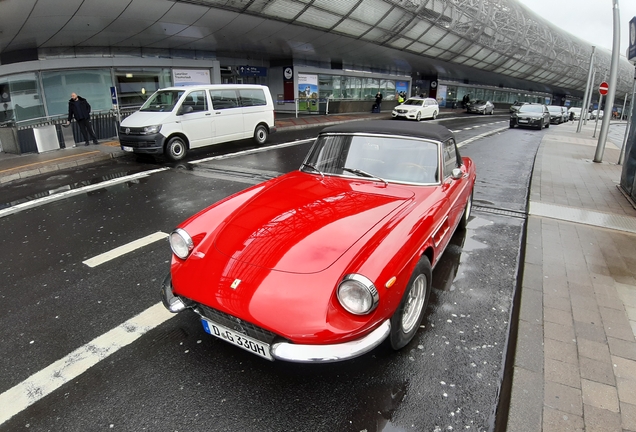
(523,121)
(128,149)
(240,340)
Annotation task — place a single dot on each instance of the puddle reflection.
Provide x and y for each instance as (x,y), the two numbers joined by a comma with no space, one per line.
(461,244)
(78,185)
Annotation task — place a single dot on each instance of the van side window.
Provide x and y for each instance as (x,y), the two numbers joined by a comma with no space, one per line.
(252,97)
(197,101)
(450,157)
(223,99)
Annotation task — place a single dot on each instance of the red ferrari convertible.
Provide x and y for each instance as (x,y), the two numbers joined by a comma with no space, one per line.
(325,263)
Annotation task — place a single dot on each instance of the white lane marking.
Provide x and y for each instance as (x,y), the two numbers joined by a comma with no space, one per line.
(485,134)
(62,195)
(49,379)
(124,249)
(251,151)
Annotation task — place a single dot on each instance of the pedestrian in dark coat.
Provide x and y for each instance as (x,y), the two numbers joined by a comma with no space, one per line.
(378,101)
(80,110)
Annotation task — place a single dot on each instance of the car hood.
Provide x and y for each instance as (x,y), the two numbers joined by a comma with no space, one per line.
(145,118)
(529,114)
(302,224)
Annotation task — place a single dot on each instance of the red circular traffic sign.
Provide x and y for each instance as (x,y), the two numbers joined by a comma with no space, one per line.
(603,88)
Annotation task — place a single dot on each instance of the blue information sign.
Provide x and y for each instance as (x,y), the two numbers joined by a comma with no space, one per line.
(252,71)
(113,95)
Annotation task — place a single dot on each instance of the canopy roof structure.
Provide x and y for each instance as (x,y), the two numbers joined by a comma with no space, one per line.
(497,42)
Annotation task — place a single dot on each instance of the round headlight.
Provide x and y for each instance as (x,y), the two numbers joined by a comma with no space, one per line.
(357,294)
(181,243)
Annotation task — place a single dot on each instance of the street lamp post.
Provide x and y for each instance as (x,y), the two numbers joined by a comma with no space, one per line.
(588,87)
(616,43)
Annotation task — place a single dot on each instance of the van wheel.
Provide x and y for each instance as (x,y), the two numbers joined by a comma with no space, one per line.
(260,134)
(175,149)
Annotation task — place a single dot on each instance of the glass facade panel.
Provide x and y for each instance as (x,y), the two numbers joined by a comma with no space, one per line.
(21,98)
(91,84)
(134,86)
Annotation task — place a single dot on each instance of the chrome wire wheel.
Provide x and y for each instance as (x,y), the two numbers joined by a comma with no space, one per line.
(414,304)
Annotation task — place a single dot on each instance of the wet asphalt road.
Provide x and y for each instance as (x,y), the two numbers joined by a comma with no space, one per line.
(178,378)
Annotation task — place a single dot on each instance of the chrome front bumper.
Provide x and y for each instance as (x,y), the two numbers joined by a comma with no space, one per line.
(296,352)
(331,353)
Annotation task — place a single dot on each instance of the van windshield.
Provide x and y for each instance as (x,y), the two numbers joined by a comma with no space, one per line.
(163,100)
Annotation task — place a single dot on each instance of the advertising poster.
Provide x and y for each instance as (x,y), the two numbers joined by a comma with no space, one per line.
(183,77)
(307,93)
(402,86)
(441,95)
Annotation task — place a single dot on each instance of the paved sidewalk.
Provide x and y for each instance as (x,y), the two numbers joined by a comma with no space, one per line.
(575,365)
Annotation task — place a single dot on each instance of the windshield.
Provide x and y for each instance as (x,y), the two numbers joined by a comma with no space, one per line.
(397,159)
(413,102)
(480,102)
(576,110)
(554,109)
(531,108)
(163,100)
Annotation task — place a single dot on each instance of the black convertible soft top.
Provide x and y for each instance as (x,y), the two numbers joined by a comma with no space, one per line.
(393,127)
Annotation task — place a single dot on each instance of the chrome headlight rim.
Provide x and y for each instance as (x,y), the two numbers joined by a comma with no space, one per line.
(181,243)
(364,286)
(149,130)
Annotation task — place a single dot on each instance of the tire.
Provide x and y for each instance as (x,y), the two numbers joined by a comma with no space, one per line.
(463,222)
(512,125)
(540,125)
(407,318)
(434,115)
(418,117)
(175,149)
(260,134)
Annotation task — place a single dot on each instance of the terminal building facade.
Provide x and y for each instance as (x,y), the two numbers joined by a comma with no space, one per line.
(315,55)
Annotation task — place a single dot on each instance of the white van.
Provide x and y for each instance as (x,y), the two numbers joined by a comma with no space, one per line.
(176,119)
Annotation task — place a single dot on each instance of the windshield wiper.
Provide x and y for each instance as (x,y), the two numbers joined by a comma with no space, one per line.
(313,168)
(361,173)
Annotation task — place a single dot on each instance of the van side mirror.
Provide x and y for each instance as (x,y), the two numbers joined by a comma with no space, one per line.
(185,109)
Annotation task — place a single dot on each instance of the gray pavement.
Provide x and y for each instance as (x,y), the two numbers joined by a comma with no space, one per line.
(575,363)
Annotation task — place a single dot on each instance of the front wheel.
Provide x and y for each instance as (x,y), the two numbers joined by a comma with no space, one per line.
(540,125)
(260,134)
(418,117)
(408,316)
(175,149)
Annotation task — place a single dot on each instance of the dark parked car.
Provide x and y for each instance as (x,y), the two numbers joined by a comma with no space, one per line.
(480,107)
(515,106)
(533,115)
(556,114)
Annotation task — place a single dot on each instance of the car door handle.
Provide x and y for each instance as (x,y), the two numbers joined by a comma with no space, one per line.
(207,114)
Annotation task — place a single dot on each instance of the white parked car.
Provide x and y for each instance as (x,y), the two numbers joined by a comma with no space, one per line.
(416,109)
(596,113)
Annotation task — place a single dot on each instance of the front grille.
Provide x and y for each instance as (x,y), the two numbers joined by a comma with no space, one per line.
(236,324)
(137,143)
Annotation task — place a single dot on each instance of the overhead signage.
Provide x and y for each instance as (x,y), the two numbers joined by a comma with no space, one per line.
(183,77)
(252,71)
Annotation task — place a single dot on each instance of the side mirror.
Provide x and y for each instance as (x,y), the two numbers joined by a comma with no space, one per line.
(185,109)
(456,174)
